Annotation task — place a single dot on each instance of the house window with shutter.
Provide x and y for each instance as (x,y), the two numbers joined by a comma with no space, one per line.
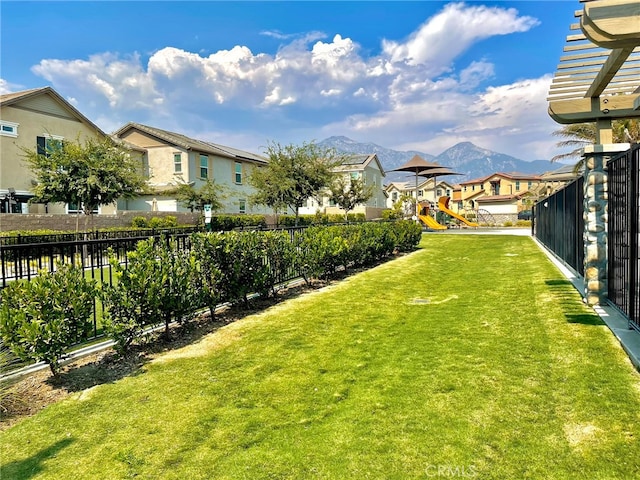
(48,143)
(238,173)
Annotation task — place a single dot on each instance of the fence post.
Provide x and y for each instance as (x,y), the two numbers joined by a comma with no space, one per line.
(595,220)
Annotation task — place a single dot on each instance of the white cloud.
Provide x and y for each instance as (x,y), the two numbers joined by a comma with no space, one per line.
(444,36)
(7,87)
(410,94)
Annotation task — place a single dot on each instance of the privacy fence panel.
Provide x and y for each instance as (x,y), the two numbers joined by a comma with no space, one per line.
(559,223)
(624,234)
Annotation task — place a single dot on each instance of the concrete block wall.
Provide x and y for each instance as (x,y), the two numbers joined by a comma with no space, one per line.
(22,222)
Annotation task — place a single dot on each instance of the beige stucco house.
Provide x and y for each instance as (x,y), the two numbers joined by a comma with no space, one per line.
(499,185)
(365,167)
(29,119)
(429,190)
(173,158)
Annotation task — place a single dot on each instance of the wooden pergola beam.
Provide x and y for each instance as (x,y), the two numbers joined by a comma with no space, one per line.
(608,71)
(579,110)
(601,83)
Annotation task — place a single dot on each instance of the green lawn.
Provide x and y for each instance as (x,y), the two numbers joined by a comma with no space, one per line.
(472,356)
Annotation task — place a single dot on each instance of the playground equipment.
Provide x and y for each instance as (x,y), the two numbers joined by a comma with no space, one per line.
(443,205)
(485,217)
(427,219)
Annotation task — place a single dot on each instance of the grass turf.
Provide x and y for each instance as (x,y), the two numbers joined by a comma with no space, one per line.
(471,357)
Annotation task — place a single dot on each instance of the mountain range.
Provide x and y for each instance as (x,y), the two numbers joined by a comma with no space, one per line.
(465,158)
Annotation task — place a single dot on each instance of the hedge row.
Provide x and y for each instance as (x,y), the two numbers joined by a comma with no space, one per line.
(320,219)
(40,319)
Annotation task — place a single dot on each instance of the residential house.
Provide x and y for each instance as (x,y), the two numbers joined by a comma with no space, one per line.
(500,195)
(425,190)
(554,180)
(370,171)
(174,158)
(32,119)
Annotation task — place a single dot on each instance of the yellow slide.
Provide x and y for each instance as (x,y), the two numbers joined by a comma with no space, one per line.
(430,222)
(443,205)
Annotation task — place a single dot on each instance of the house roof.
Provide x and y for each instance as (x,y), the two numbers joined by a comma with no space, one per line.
(510,175)
(499,198)
(566,172)
(14,98)
(191,143)
(361,161)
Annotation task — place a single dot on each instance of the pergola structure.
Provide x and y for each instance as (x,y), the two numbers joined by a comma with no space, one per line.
(599,78)
(599,81)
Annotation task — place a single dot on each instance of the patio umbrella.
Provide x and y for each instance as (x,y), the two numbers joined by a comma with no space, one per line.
(434,173)
(415,165)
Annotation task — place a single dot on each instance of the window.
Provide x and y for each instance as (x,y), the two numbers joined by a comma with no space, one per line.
(394,196)
(420,193)
(439,192)
(8,129)
(354,175)
(72,208)
(473,187)
(529,184)
(238,173)
(48,143)
(242,205)
(204,166)
(177,163)
(517,185)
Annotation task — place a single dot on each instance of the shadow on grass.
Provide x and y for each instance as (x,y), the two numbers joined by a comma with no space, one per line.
(33,393)
(109,367)
(574,310)
(33,465)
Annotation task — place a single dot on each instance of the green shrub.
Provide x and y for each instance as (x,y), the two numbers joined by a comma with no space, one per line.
(207,281)
(407,235)
(42,317)
(139,222)
(132,301)
(176,272)
(391,214)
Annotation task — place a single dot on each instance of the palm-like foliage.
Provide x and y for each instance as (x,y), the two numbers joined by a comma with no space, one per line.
(579,135)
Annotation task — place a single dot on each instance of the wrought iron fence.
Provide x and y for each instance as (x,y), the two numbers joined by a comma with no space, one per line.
(558,223)
(95,235)
(624,234)
(23,261)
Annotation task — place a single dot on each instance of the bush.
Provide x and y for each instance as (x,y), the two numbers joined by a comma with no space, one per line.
(208,276)
(407,235)
(132,301)
(320,219)
(41,318)
(222,223)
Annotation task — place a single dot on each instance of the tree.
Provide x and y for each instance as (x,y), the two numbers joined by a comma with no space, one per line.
(348,192)
(579,135)
(196,199)
(294,174)
(88,175)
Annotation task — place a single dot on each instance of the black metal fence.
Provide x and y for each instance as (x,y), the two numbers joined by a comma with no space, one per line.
(23,261)
(624,234)
(558,223)
(95,235)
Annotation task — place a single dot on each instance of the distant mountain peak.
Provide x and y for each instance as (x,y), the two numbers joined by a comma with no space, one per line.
(466,158)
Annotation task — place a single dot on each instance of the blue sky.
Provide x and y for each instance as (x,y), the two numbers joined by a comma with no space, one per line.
(405,75)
